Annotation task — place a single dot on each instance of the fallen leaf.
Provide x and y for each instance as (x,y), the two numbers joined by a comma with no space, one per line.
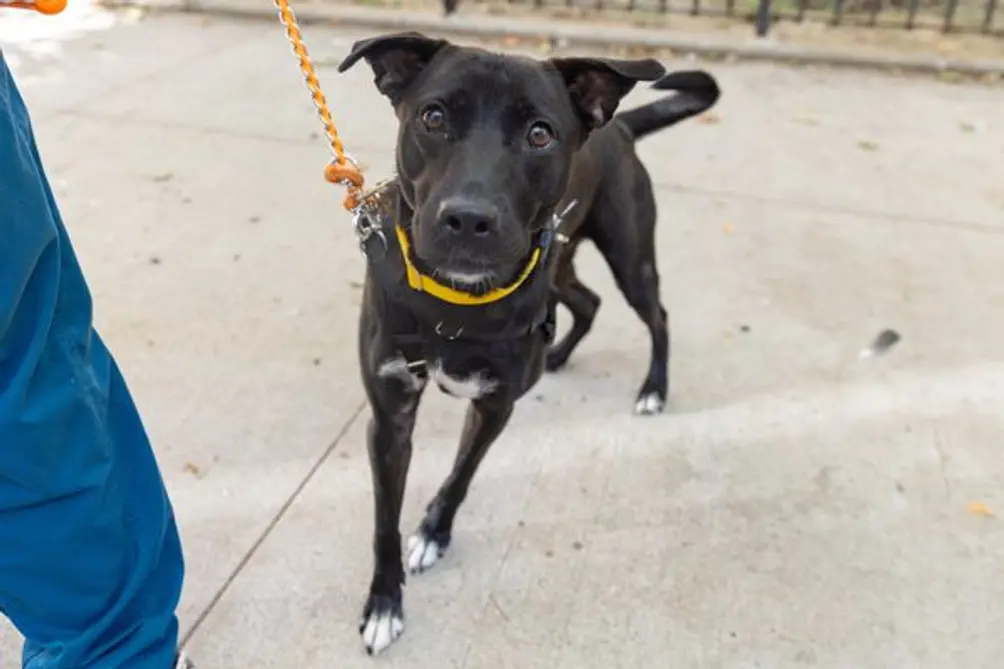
(805,119)
(193,469)
(709,119)
(728,228)
(980,509)
(951,76)
(967,127)
(866,145)
(161,178)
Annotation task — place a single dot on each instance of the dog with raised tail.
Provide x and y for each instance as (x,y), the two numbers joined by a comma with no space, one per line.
(504,165)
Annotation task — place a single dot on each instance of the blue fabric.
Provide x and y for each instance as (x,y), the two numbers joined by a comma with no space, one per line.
(90,561)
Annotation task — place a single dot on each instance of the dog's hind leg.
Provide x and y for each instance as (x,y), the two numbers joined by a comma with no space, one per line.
(484,422)
(634,269)
(394,399)
(639,281)
(578,299)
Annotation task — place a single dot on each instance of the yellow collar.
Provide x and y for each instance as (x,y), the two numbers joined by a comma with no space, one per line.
(426,284)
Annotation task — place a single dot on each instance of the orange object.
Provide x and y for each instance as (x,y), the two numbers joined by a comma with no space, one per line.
(980,509)
(342,170)
(41,6)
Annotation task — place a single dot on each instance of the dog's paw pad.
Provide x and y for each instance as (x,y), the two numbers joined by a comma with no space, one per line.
(649,404)
(380,629)
(423,552)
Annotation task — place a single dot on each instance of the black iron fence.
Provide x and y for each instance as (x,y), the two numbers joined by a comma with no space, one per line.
(969,16)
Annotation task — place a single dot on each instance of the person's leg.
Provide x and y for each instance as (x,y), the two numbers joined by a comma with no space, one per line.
(90,561)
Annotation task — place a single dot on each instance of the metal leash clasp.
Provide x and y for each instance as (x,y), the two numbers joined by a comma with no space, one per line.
(367,227)
(366,220)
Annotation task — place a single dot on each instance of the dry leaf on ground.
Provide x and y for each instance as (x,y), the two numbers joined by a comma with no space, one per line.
(980,509)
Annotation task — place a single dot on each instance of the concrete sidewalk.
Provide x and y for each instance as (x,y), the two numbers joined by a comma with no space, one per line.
(797,507)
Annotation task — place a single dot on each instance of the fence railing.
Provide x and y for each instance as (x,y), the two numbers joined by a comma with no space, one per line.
(968,16)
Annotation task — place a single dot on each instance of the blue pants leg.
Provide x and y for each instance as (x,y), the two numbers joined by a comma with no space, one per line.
(90,561)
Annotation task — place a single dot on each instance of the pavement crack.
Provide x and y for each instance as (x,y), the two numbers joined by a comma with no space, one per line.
(148,77)
(823,207)
(497,607)
(943,462)
(286,505)
(212,131)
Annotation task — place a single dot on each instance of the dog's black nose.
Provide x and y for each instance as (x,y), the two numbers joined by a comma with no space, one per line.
(469,219)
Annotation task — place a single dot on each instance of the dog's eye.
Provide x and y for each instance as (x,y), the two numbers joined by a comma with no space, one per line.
(434,118)
(540,136)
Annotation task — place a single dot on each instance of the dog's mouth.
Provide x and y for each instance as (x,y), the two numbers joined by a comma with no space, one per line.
(462,270)
(478,267)
(467,277)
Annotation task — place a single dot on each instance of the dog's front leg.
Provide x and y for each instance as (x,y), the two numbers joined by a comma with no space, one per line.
(394,402)
(485,420)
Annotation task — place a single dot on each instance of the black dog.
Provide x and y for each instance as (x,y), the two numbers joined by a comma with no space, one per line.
(461,252)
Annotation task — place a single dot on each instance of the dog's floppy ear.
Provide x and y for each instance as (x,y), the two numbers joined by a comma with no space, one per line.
(596,85)
(396,59)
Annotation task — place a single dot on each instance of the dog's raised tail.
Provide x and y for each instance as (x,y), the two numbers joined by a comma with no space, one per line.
(696,92)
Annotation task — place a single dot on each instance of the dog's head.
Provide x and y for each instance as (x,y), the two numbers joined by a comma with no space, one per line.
(486,141)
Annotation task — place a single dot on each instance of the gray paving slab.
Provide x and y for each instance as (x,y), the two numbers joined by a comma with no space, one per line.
(797,507)
(803,510)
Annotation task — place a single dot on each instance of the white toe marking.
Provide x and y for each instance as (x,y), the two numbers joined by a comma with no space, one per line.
(649,404)
(382,629)
(423,552)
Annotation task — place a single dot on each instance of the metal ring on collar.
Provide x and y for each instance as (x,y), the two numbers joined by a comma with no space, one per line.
(439,331)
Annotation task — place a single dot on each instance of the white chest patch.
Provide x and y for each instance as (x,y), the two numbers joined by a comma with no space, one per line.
(471,387)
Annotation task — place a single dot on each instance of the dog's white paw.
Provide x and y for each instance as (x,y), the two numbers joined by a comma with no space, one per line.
(649,405)
(423,552)
(381,629)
